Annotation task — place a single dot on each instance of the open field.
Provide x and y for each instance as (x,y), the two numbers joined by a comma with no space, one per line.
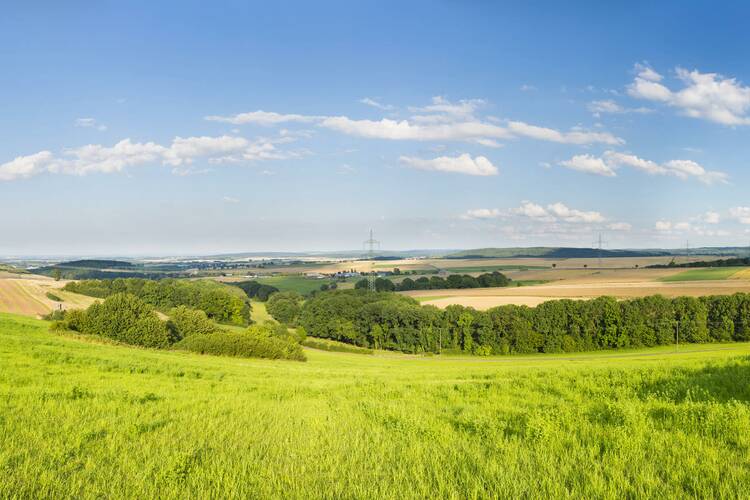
(27,295)
(584,284)
(260,314)
(85,419)
(709,273)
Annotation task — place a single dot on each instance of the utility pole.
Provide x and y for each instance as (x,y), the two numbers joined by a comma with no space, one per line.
(369,245)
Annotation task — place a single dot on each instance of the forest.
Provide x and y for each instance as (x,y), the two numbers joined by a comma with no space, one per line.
(390,321)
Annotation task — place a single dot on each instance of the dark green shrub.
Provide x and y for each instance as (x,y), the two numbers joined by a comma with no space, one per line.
(187,322)
(285,307)
(125,318)
(52,296)
(333,346)
(256,342)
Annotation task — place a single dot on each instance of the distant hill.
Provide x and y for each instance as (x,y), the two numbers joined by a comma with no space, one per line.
(551,253)
(96,264)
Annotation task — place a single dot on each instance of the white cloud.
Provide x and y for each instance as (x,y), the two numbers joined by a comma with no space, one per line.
(376,104)
(483,213)
(619,226)
(527,88)
(572,137)
(552,213)
(741,214)
(229,199)
(405,130)
(90,123)
(609,106)
(25,166)
(442,120)
(589,164)
(711,217)
(464,108)
(260,117)
(572,215)
(612,160)
(709,96)
(663,225)
(462,164)
(532,210)
(96,158)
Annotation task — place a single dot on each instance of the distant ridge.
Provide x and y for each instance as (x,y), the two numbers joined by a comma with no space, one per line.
(587,253)
(552,253)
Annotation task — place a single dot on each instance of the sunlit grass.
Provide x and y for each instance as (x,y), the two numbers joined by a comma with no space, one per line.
(86,419)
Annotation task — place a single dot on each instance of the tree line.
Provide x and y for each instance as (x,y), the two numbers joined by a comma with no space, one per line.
(218,301)
(391,321)
(733,262)
(486,280)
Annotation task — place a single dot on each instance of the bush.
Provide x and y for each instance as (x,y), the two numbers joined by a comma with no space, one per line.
(124,318)
(52,296)
(332,345)
(187,322)
(256,342)
(285,307)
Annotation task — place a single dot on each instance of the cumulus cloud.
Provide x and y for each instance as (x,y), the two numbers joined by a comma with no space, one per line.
(741,214)
(552,213)
(612,160)
(663,225)
(230,199)
(589,164)
(711,217)
(709,96)
(25,166)
(572,137)
(183,151)
(462,164)
(483,213)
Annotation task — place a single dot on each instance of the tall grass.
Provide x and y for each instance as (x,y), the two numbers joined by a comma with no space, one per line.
(85,420)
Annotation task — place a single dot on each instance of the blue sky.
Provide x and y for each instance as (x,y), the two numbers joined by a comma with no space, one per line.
(189,127)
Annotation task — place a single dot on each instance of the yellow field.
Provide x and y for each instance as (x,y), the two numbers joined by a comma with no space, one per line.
(584,284)
(741,275)
(28,295)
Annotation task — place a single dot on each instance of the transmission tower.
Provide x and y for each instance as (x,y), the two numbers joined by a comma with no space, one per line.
(599,244)
(369,246)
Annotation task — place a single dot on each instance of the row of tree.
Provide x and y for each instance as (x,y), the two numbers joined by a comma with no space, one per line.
(732,262)
(218,301)
(487,280)
(391,321)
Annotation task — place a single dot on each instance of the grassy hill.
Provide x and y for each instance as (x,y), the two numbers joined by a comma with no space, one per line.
(83,418)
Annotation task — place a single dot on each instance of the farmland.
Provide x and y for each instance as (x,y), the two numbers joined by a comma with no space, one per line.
(26,294)
(144,423)
(710,273)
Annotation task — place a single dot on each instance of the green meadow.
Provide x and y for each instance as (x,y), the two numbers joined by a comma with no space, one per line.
(293,283)
(702,274)
(89,419)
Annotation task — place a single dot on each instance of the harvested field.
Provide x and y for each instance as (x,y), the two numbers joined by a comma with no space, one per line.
(484,298)
(28,296)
